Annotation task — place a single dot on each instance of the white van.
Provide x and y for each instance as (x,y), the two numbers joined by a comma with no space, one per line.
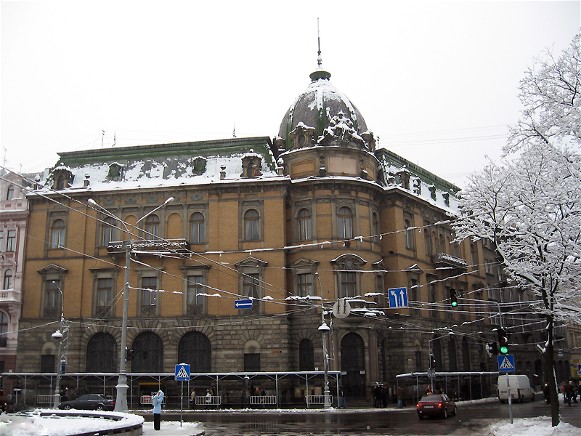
(520,388)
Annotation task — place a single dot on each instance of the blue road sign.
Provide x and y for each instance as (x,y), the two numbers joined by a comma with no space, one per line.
(182,372)
(506,363)
(579,369)
(243,304)
(398,297)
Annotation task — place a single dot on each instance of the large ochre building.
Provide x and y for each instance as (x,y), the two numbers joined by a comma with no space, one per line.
(294,223)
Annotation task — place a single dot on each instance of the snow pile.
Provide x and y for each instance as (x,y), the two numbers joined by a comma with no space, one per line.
(540,426)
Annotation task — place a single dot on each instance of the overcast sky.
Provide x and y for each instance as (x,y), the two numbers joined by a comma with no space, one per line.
(436,81)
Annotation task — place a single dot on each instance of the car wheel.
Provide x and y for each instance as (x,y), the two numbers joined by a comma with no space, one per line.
(67,407)
(100,407)
(445,413)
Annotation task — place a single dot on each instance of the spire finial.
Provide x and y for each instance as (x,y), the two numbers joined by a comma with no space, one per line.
(319,59)
(319,73)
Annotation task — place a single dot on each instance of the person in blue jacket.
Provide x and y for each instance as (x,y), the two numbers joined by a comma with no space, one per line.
(157,401)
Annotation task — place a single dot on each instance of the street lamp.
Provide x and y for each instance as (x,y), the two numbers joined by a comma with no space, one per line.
(324,329)
(121,399)
(58,336)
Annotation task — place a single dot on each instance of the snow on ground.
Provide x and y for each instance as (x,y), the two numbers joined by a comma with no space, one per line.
(32,424)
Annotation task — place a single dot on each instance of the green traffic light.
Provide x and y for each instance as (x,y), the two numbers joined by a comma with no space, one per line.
(504,349)
(454,303)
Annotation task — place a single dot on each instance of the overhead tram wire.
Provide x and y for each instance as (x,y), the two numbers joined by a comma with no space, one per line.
(235,272)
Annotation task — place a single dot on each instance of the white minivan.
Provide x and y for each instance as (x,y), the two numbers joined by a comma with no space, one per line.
(520,388)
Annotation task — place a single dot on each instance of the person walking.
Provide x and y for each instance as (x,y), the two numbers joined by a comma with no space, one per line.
(157,401)
(193,399)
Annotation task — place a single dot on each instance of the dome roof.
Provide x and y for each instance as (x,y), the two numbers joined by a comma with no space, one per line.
(322,107)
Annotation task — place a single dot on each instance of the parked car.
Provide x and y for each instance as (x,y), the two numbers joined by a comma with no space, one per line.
(436,405)
(89,402)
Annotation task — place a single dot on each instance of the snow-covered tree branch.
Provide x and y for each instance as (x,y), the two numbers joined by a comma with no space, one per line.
(529,206)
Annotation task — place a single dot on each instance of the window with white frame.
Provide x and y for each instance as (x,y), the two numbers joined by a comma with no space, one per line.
(305,284)
(3,329)
(108,231)
(345,223)
(10,192)
(304,222)
(7,283)
(104,304)
(11,240)
(196,285)
(197,228)
(57,234)
(251,225)
(149,295)
(151,228)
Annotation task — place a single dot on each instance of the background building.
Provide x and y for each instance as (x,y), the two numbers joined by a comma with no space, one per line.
(293,223)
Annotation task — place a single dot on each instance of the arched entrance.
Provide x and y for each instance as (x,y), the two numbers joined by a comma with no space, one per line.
(147,353)
(353,365)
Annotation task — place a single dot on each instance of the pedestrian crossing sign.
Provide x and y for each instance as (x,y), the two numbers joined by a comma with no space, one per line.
(506,363)
(182,372)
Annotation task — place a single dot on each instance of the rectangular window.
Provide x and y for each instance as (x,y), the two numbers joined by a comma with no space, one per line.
(348,284)
(305,284)
(251,289)
(195,301)
(148,295)
(52,302)
(433,291)
(2,246)
(104,304)
(11,240)
(413,296)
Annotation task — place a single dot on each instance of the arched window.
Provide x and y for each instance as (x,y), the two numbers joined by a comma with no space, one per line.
(251,225)
(195,348)
(3,329)
(304,223)
(7,279)
(306,355)
(151,228)
(345,223)
(101,353)
(147,353)
(197,228)
(10,192)
(108,233)
(57,234)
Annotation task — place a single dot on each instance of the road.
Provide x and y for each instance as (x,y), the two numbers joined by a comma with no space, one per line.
(472,418)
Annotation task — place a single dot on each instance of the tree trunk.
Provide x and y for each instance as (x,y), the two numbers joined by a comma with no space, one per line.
(550,375)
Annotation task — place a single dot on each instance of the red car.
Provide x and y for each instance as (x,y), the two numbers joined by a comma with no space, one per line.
(435,405)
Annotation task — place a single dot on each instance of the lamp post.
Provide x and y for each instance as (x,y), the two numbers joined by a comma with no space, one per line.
(121,399)
(324,329)
(58,336)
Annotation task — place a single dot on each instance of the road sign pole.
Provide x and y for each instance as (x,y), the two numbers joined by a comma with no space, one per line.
(509,398)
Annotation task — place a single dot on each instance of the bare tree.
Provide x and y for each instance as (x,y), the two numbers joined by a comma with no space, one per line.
(529,206)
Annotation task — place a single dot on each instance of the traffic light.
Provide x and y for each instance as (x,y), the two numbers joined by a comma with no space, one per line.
(492,349)
(432,362)
(502,341)
(453,298)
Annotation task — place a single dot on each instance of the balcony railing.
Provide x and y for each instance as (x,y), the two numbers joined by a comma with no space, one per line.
(154,246)
(448,260)
(10,296)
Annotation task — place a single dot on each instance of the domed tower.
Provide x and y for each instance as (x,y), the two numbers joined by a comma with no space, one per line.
(324,134)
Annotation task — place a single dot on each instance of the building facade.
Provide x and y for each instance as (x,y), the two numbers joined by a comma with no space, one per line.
(297,224)
(13,220)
